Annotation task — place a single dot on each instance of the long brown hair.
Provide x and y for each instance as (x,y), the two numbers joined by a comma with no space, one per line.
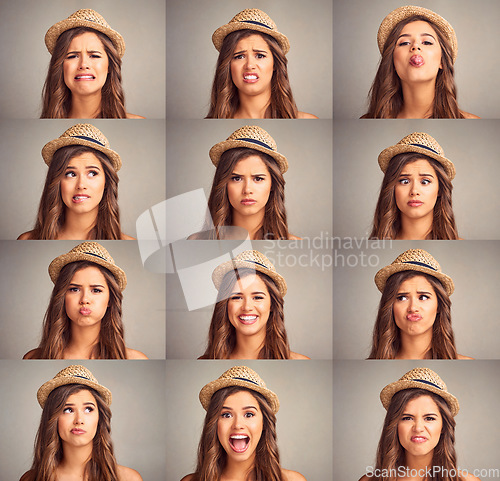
(51,211)
(386,339)
(211,455)
(390,452)
(222,334)
(387,217)
(56,96)
(56,331)
(386,92)
(48,452)
(224,101)
(274,225)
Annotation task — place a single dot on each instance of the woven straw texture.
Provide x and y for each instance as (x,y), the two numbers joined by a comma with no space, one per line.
(73,375)
(420,378)
(421,143)
(414,260)
(251,19)
(241,376)
(94,138)
(92,252)
(250,136)
(402,13)
(253,260)
(85,17)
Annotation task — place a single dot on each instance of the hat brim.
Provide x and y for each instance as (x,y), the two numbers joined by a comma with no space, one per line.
(218,149)
(388,392)
(50,148)
(59,262)
(387,271)
(402,13)
(49,386)
(57,29)
(208,390)
(221,270)
(387,154)
(222,32)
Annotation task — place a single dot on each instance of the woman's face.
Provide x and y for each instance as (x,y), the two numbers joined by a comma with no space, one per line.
(417,56)
(420,426)
(417,190)
(85,65)
(249,187)
(239,427)
(415,307)
(77,424)
(82,185)
(87,297)
(249,306)
(252,66)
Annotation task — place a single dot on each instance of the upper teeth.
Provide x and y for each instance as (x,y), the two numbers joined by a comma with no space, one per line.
(84,76)
(239,436)
(80,197)
(251,77)
(248,318)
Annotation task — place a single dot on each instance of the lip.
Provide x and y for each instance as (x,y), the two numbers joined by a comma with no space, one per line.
(239,436)
(85,311)
(248,202)
(415,203)
(418,439)
(78,432)
(250,77)
(79,198)
(417,61)
(84,77)
(248,319)
(414,317)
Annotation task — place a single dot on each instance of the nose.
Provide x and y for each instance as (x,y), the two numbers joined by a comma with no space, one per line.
(247,187)
(237,421)
(414,190)
(412,305)
(415,46)
(418,425)
(83,64)
(84,299)
(247,304)
(250,62)
(81,183)
(78,417)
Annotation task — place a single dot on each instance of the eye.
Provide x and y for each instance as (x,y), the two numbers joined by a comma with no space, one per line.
(259,298)
(69,173)
(401,298)
(423,297)
(94,55)
(96,290)
(428,42)
(89,409)
(71,55)
(73,289)
(225,415)
(430,418)
(236,178)
(249,415)
(259,179)
(239,56)
(403,43)
(93,173)
(406,418)
(67,410)
(235,298)
(425,181)
(260,55)
(404,181)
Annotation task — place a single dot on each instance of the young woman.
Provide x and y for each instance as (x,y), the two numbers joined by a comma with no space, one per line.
(84,317)
(74,436)
(415,199)
(418,436)
(415,77)
(239,435)
(80,196)
(248,191)
(248,320)
(414,314)
(84,79)
(251,77)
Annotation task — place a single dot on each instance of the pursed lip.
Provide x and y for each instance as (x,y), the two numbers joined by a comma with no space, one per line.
(85,311)
(248,319)
(414,317)
(415,203)
(417,61)
(239,436)
(418,439)
(78,431)
(248,201)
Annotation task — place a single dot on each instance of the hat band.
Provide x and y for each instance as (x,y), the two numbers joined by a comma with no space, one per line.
(259,264)
(428,382)
(420,264)
(89,139)
(257,142)
(246,380)
(97,255)
(81,377)
(425,147)
(256,23)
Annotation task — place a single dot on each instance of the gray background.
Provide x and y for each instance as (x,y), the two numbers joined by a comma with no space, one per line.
(355,26)
(25,23)
(308,301)
(471,146)
(304,420)
(138,390)
(191,56)
(141,146)
(359,415)
(306,145)
(25,295)
(473,266)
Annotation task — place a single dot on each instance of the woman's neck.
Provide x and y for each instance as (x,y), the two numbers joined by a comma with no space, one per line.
(87,107)
(74,461)
(417,465)
(238,471)
(77,226)
(253,107)
(248,347)
(415,229)
(418,100)
(415,347)
(251,223)
(82,341)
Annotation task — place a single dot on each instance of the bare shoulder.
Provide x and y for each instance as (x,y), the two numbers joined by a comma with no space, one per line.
(128,474)
(33,354)
(364,478)
(188,477)
(27,476)
(133,354)
(133,116)
(467,115)
(127,237)
(468,477)
(195,236)
(296,355)
(459,356)
(293,237)
(292,475)
(25,235)
(305,115)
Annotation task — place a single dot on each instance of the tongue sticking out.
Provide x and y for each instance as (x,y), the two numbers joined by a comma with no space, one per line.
(416,61)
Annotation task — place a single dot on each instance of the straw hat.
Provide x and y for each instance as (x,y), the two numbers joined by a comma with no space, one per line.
(239,376)
(85,17)
(92,252)
(252,137)
(254,260)
(402,13)
(421,143)
(72,375)
(420,378)
(414,260)
(82,134)
(251,19)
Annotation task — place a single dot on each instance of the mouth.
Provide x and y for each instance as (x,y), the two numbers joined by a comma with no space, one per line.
(239,442)
(78,199)
(417,60)
(85,77)
(84,311)
(250,78)
(418,439)
(78,432)
(248,320)
(414,317)
(415,203)
(248,202)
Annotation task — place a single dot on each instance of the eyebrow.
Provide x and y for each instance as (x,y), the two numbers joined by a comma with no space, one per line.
(85,404)
(413,415)
(253,293)
(88,51)
(253,50)
(244,408)
(418,292)
(80,285)
(421,175)
(253,175)
(73,167)
(422,35)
